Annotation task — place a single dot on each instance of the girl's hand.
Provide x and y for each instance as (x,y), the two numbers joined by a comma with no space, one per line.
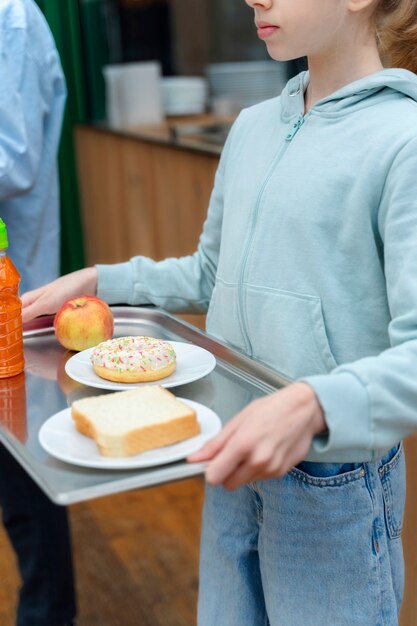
(47,299)
(265,440)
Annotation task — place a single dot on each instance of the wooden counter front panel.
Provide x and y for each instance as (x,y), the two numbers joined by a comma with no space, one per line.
(183,185)
(139,197)
(409,607)
(115,176)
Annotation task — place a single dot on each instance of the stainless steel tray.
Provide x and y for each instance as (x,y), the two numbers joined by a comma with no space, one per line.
(27,401)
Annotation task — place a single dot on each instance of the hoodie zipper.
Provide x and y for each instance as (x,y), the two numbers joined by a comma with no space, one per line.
(251,233)
(296,127)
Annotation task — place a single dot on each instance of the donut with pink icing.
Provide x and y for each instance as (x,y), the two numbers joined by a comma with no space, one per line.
(134,359)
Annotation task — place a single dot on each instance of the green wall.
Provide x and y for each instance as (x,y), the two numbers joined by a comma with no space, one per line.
(63,19)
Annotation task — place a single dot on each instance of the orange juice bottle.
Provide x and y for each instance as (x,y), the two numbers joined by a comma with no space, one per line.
(11,340)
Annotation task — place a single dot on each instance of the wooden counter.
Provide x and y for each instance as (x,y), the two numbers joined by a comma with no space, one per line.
(409,608)
(142,193)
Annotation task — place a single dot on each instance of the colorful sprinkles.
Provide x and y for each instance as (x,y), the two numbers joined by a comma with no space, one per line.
(128,354)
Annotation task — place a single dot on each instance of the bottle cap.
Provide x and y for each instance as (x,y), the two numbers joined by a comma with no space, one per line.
(4,243)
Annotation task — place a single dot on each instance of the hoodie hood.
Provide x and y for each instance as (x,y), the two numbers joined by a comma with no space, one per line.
(388,83)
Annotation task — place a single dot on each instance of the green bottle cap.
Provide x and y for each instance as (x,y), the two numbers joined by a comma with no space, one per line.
(4,243)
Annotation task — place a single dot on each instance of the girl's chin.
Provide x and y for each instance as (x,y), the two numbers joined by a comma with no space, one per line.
(280,54)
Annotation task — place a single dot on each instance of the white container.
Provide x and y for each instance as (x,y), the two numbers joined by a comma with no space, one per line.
(133,94)
(184,95)
(246,83)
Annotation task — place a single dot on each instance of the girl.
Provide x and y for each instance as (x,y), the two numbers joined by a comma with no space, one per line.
(307,261)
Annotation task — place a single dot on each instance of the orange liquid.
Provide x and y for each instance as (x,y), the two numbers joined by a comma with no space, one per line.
(13,405)
(11,340)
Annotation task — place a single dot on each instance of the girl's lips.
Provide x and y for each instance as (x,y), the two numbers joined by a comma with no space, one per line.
(266,31)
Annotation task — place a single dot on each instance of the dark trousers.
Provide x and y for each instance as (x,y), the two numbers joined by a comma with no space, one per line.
(39,533)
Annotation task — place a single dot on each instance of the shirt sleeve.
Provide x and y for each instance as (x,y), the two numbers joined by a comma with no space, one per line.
(22,113)
(176,284)
(371,404)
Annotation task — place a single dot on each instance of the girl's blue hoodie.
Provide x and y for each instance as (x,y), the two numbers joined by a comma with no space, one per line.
(308,256)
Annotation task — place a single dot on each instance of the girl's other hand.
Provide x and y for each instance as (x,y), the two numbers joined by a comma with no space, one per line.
(265,440)
(47,299)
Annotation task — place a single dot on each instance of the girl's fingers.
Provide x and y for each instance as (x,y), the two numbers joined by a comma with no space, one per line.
(242,475)
(30,311)
(204,454)
(212,447)
(30,297)
(226,462)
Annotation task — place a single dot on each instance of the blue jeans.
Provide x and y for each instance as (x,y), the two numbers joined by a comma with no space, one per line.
(39,533)
(319,547)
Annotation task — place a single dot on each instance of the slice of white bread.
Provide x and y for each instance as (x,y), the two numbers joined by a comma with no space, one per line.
(128,422)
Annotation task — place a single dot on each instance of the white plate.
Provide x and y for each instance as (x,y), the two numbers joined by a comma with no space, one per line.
(59,437)
(193,363)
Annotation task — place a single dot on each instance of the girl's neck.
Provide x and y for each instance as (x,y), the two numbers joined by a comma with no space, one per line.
(331,71)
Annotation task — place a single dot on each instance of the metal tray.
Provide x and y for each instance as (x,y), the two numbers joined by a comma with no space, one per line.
(28,400)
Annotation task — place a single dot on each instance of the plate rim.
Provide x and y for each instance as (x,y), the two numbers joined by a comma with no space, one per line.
(164,382)
(109,466)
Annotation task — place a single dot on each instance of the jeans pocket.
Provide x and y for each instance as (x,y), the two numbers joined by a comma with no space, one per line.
(392,476)
(328,474)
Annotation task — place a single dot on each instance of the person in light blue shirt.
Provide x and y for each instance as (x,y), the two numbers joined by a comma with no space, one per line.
(32,100)
(307,262)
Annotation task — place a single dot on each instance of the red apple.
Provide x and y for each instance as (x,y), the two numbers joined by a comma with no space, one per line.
(83,322)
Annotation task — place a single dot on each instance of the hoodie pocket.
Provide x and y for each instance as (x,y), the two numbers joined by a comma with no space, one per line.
(223,316)
(287,331)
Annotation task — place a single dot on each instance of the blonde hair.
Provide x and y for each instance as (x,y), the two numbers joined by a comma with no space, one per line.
(396,26)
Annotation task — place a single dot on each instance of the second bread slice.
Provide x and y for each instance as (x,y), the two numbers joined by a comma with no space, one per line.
(129,422)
